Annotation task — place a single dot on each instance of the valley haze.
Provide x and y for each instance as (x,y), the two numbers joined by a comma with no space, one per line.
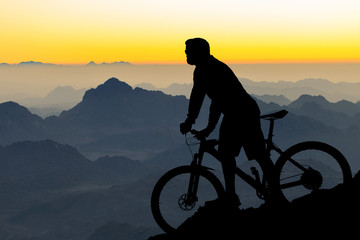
(36,79)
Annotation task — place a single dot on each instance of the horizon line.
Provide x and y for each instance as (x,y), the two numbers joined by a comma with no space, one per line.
(98,63)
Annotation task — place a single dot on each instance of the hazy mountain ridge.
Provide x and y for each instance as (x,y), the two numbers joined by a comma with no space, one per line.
(49,165)
(17,123)
(115,110)
(342,106)
(65,97)
(293,90)
(116,104)
(59,99)
(334,92)
(112,108)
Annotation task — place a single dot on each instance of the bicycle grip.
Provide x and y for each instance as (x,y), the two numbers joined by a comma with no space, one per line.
(194,132)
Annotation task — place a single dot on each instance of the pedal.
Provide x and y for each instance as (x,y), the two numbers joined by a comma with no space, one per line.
(259,189)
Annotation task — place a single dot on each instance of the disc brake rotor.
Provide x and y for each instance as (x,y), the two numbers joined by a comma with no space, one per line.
(185,203)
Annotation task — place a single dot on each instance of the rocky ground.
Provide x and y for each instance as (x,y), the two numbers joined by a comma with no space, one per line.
(325,213)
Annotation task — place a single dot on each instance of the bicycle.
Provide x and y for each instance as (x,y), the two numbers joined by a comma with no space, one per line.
(301,169)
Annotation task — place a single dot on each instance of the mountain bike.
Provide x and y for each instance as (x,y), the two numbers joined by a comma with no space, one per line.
(299,170)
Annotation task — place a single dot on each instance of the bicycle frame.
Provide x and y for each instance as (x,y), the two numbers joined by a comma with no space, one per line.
(271,146)
(258,184)
(208,146)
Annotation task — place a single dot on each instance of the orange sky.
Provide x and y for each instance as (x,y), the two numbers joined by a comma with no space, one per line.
(142,31)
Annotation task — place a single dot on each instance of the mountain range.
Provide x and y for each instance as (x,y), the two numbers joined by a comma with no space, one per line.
(113,108)
(149,120)
(95,164)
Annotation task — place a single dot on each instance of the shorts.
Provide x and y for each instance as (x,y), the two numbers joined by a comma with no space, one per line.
(237,132)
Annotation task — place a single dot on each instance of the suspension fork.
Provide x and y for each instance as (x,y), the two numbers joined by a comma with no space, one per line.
(194,178)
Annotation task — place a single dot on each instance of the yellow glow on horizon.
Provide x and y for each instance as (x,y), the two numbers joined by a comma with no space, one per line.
(154,32)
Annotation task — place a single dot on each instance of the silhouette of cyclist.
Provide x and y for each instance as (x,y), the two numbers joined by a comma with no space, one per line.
(240,125)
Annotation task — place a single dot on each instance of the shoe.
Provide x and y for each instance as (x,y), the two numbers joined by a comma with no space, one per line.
(232,199)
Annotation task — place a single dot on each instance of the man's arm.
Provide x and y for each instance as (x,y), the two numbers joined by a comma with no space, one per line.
(214,116)
(196,99)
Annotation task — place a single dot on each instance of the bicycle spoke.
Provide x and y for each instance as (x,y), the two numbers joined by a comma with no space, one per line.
(310,166)
(291,184)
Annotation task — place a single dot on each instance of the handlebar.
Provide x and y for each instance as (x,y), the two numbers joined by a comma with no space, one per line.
(195,134)
(194,139)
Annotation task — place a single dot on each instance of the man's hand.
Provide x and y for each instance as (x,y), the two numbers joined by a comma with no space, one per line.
(203,133)
(185,127)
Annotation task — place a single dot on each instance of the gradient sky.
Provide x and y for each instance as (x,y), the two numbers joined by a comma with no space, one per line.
(154,31)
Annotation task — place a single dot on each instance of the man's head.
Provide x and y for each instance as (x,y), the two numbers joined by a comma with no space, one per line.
(197,51)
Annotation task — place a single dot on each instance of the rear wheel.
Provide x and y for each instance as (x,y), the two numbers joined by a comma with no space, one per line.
(310,166)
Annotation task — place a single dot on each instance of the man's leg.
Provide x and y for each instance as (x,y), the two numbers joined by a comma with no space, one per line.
(228,149)
(273,195)
(228,163)
(255,149)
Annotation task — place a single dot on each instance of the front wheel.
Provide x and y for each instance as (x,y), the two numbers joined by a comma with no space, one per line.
(310,166)
(170,203)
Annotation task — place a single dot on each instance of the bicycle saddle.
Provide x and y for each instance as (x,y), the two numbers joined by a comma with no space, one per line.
(275,115)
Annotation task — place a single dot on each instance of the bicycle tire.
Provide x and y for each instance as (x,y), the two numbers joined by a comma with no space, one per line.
(165,180)
(328,165)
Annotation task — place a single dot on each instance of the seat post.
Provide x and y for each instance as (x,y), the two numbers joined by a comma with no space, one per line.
(271,129)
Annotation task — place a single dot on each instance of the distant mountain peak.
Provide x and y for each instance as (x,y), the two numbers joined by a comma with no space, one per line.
(115,83)
(306,98)
(114,80)
(312,98)
(91,63)
(110,88)
(314,80)
(33,63)
(13,108)
(30,62)
(147,86)
(309,98)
